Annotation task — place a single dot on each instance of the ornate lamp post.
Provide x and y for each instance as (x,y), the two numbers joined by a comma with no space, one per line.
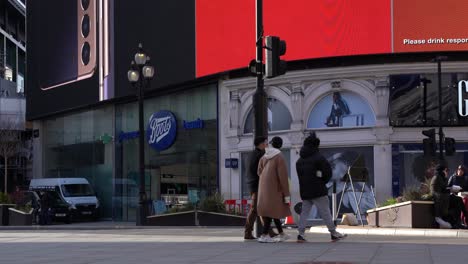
(139,76)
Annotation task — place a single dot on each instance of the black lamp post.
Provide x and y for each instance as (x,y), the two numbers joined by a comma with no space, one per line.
(140,67)
(439,59)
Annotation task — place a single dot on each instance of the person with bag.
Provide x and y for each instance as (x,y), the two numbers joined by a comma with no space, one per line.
(273,191)
(252,183)
(314,171)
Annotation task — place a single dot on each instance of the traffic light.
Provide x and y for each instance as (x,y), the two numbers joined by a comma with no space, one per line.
(429,144)
(449,146)
(275,48)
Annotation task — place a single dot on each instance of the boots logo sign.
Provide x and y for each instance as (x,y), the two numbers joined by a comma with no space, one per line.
(161,130)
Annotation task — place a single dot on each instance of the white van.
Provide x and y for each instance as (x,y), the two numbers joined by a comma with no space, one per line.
(77,192)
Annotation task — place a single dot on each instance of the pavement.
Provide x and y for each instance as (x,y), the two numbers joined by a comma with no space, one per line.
(354,230)
(116,243)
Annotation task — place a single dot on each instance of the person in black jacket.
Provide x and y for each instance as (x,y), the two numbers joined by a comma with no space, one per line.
(45,206)
(252,183)
(314,171)
(441,196)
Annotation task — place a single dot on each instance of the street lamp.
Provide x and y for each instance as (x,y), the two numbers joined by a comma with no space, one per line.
(140,67)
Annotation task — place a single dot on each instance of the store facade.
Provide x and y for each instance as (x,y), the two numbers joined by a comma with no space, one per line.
(374,114)
(101,145)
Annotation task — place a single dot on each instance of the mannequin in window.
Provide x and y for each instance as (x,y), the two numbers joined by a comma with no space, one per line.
(338,109)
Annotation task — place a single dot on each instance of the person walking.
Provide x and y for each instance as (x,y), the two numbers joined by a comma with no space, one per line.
(314,171)
(252,184)
(273,191)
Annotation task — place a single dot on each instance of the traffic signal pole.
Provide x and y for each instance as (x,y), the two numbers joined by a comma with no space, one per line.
(260,97)
(441,133)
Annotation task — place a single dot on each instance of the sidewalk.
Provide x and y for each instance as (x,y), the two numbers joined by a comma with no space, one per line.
(218,245)
(351,230)
(381,231)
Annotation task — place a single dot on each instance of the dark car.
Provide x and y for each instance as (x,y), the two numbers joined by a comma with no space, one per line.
(58,210)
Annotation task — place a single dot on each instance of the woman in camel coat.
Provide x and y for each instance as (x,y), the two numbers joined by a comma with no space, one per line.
(273,190)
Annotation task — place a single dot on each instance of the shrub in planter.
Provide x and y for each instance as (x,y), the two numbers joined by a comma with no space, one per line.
(413,209)
(4,198)
(214,203)
(185,208)
(5,203)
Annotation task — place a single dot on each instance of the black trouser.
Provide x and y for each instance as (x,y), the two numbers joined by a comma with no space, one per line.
(252,216)
(456,207)
(267,224)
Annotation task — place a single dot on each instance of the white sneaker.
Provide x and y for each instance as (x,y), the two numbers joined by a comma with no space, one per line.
(282,237)
(266,239)
(443,224)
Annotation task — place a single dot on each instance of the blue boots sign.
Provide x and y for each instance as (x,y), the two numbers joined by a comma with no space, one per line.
(162,130)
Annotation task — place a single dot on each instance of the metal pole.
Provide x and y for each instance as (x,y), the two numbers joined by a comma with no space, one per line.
(334,214)
(260,97)
(425,81)
(141,217)
(441,133)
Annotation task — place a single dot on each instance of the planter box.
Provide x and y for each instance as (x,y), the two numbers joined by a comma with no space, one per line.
(19,218)
(219,219)
(174,219)
(188,219)
(4,216)
(412,214)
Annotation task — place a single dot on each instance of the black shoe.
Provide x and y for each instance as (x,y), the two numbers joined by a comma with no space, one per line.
(272,233)
(248,236)
(301,239)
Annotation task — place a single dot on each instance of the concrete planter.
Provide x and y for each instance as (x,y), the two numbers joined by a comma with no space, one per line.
(200,218)
(19,218)
(4,216)
(219,219)
(412,214)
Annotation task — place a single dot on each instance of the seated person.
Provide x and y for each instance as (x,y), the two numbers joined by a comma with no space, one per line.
(441,196)
(460,178)
(456,208)
(338,109)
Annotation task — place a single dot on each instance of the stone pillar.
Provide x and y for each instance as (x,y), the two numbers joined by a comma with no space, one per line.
(234,113)
(382,93)
(297,102)
(383,148)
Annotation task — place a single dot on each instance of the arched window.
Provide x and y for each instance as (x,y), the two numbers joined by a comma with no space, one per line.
(279,117)
(341,109)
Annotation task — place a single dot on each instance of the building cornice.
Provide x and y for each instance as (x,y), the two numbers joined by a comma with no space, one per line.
(367,71)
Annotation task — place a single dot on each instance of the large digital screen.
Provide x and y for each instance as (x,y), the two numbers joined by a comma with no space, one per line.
(79,51)
(317,29)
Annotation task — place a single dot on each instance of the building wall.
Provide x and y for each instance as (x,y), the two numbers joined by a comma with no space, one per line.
(300,92)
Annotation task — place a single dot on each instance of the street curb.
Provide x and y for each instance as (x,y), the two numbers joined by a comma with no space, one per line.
(99,227)
(380,231)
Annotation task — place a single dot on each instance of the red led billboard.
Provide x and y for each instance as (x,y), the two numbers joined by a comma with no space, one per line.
(225,29)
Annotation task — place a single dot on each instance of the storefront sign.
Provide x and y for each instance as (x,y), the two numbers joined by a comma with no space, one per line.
(231,163)
(128,135)
(193,124)
(161,130)
(462,103)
